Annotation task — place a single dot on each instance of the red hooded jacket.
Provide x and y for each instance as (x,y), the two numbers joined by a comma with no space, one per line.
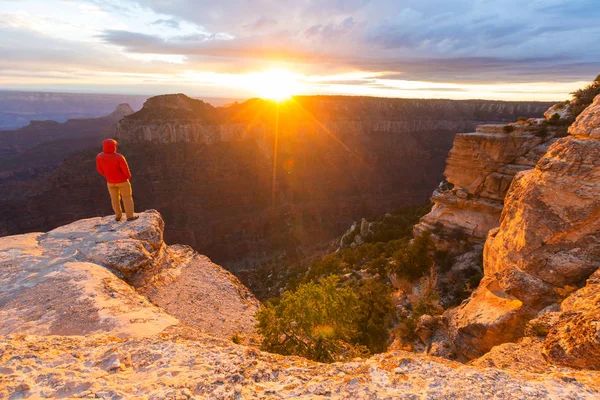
(111,164)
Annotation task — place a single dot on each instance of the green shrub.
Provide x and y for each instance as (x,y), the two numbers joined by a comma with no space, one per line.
(522,119)
(426,302)
(542,132)
(582,98)
(413,259)
(328,265)
(378,266)
(318,321)
(349,256)
(444,259)
(377,313)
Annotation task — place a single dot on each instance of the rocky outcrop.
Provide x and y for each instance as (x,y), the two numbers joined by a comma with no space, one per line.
(574,337)
(479,171)
(177,365)
(99,275)
(587,123)
(548,240)
(563,110)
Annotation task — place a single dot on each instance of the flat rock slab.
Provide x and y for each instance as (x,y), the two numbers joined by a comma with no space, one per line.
(91,276)
(172,367)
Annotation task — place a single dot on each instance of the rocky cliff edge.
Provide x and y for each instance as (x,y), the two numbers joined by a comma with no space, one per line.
(537,261)
(105,309)
(99,275)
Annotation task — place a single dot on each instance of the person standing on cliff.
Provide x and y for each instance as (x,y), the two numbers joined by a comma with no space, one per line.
(113,166)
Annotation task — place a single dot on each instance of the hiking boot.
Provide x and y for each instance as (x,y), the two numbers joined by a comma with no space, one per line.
(133,218)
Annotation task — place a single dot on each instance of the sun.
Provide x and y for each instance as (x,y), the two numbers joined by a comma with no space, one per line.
(276,84)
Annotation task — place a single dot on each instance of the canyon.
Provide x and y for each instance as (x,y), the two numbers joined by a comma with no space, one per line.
(209,170)
(136,318)
(163,321)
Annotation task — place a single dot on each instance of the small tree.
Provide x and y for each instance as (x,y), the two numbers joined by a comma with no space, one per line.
(413,259)
(331,264)
(317,321)
(377,313)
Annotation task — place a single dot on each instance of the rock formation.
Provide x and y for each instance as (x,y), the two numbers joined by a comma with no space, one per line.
(209,170)
(98,275)
(180,365)
(479,171)
(105,309)
(548,241)
(574,337)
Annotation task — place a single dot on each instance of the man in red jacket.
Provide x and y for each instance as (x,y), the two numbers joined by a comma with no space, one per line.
(114,168)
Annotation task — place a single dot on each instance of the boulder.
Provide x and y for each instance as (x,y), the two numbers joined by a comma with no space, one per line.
(563,110)
(549,238)
(587,123)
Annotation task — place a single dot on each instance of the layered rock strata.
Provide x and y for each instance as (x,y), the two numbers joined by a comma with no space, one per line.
(210,170)
(548,241)
(479,171)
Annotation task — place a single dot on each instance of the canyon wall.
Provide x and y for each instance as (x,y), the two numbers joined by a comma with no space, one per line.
(210,170)
(546,245)
(480,168)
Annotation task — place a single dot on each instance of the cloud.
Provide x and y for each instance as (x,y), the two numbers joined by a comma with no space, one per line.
(261,23)
(465,41)
(169,22)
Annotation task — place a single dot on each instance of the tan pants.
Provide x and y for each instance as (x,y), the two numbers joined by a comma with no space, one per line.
(118,191)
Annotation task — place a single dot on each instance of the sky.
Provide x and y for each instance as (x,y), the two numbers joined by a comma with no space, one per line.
(460,49)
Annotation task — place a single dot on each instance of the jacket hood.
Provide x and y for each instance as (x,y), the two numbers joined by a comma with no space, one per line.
(109,146)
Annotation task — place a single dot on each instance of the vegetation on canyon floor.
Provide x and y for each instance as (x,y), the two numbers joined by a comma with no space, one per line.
(341,306)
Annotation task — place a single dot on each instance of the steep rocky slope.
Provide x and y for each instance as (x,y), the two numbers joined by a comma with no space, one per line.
(209,170)
(547,245)
(480,169)
(104,309)
(99,275)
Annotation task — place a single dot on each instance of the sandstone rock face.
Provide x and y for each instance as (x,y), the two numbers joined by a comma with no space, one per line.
(549,238)
(587,123)
(574,339)
(479,171)
(82,278)
(202,295)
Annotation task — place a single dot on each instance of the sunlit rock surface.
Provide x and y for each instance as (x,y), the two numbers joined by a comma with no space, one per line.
(574,339)
(81,278)
(479,171)
(548,240)
(178,365)
(588,122)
